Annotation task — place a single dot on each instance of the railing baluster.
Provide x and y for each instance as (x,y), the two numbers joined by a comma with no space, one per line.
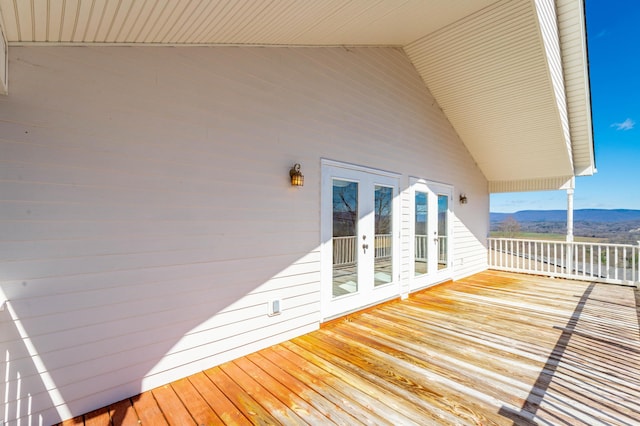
(599,261)
(490,253)
(636,278)
(624,264)
(589,261)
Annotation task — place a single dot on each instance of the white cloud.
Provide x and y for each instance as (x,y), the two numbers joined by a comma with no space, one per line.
(625,125)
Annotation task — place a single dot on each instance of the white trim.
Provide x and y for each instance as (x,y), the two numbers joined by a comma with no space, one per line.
(4,50)
(537,184)
(145,44)
(324,162)
(332,307)
(433,189)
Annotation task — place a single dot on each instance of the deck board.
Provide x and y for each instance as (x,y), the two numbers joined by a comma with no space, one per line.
(122,413)
(195,404)
(219,402)
(174,410)
(148,410)
(291,386)
(496,348)
(98,418)
(243,400)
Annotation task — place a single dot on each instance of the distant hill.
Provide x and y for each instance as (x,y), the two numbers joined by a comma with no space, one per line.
(581,215)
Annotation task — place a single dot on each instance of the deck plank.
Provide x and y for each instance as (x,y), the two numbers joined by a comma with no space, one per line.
(244,401)
(328,386)
(496,348)
(242,377)
(428,393)
(123,413)
(377,397)
(148,410)
(218,401)
(201,412)
(279,389)
(325,409)
(98,418)
(170,404)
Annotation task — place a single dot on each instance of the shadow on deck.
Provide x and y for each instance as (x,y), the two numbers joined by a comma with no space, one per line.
(494,348)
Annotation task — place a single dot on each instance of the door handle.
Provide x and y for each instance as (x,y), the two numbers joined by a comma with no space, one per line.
(365,247)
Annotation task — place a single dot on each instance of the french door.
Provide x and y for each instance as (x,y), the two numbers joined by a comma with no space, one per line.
(431,232)
(360,237)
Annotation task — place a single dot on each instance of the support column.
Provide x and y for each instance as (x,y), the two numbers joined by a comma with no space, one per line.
(570,215)
(569,261)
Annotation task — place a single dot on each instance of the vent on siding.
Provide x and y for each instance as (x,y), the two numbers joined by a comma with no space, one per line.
(274,307)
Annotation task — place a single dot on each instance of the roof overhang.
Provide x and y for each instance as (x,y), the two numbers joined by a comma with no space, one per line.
(510,75)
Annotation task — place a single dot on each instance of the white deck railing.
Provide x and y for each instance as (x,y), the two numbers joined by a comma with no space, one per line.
(421,244)
(610,263)
(344,249)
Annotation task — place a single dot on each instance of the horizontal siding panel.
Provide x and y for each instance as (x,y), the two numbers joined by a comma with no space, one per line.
(146,217)
(67,359)
(200,277)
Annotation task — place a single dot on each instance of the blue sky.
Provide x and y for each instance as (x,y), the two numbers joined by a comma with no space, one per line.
(613,33)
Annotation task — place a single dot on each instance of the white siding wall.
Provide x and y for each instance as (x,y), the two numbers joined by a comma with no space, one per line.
(146,216)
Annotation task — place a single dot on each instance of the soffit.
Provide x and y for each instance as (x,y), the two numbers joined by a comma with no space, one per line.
(282,22)
(490,75)
(484,61)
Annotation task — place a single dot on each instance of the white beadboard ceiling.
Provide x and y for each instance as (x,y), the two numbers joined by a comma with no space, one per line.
(496,68)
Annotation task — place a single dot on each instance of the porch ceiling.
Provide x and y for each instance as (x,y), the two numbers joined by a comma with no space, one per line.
(510,75)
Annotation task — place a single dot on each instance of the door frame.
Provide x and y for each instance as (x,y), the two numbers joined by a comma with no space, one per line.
(434,275)
(331,307)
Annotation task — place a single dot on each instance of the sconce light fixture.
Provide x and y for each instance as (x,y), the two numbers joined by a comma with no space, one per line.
(463,199)
(297,178)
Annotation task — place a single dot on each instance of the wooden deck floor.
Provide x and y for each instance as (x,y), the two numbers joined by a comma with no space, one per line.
(495,348)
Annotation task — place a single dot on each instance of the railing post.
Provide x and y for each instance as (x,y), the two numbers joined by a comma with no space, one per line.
(637,266)
(569,253)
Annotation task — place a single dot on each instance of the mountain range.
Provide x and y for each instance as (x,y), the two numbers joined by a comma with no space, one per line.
(580,215)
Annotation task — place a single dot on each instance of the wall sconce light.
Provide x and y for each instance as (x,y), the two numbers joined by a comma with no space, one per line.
(297,178)
(463,199)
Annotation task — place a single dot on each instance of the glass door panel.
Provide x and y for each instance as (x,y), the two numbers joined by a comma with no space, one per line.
(383,260)
(431,227)
(420,258)
(345,236)
(360,240)
(443,231)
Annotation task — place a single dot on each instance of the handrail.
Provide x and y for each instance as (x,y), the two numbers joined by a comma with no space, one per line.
(601,262)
